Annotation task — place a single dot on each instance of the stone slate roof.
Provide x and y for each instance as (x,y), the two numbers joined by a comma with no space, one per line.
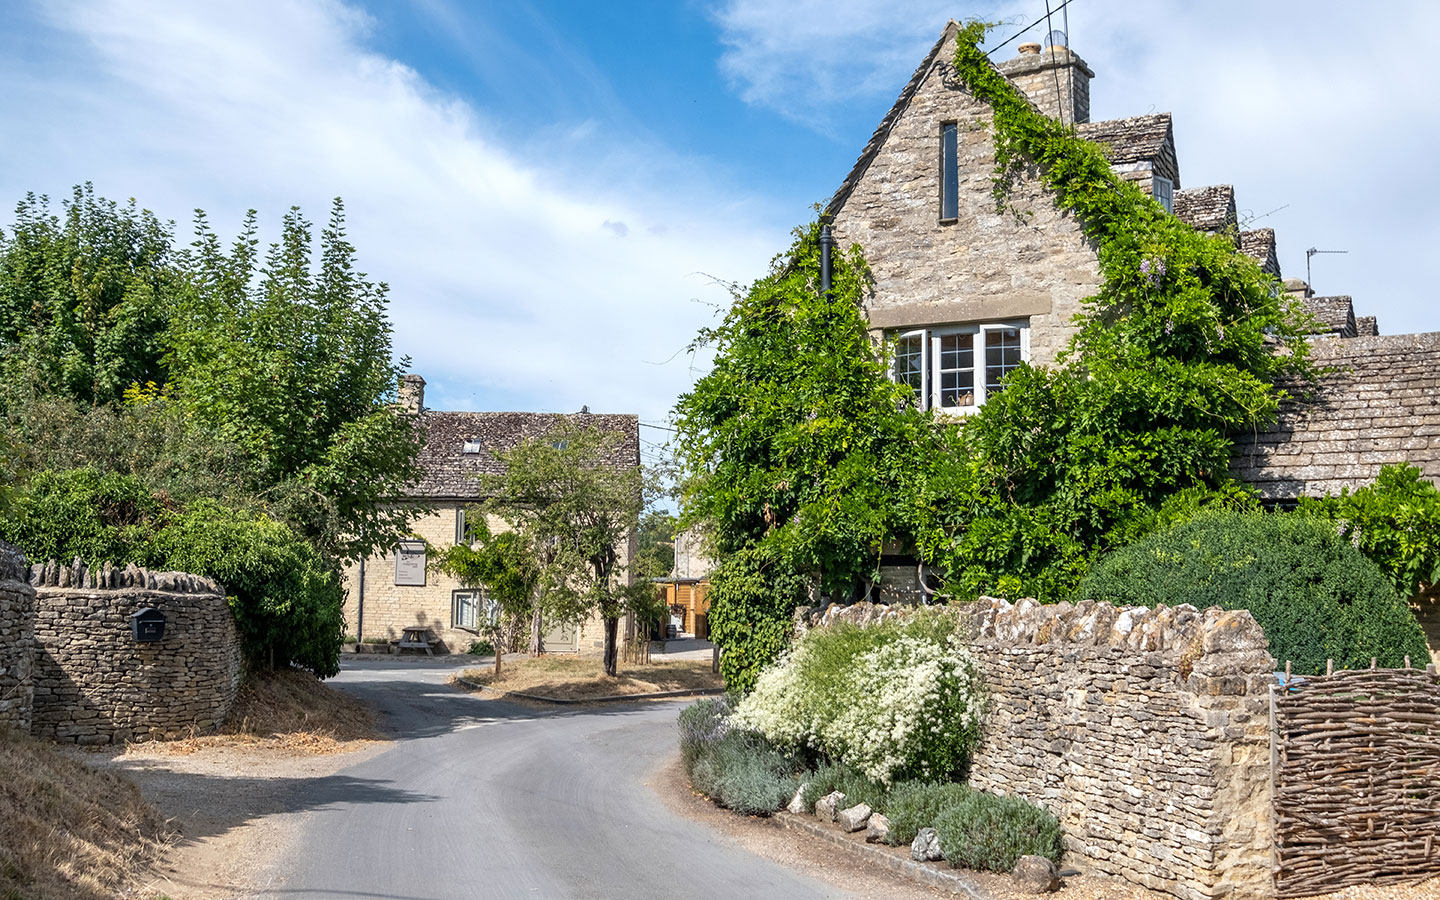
(1138,139)
(1366,326)
(1259,245)
(1210,208)
(449,472)
(882,131)
(1337,314)
(1380,404)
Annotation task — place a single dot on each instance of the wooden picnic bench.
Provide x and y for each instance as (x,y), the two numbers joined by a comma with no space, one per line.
(416,637)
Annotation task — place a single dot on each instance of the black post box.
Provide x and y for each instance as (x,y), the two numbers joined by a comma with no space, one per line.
(147,625)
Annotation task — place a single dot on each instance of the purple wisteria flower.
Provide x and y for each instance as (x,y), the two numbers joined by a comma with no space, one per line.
(1153,270)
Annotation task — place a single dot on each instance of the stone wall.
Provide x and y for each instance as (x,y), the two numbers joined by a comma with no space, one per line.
(94,684)
(1146,732)
(17,640)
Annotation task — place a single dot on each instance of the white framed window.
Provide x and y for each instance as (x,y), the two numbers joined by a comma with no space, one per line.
(470,609)
(953,368)
(1163,190)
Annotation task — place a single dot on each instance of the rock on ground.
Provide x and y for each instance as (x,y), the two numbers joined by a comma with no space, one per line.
(827,806)
(926,846)
(878,830)
(854,818)
(1036,875)
(797,802)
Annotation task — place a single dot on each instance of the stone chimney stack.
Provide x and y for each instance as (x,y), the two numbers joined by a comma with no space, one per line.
(412,393)
(1055,79)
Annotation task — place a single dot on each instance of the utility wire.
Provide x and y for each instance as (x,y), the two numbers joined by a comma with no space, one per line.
(1028,27)
(1059,103)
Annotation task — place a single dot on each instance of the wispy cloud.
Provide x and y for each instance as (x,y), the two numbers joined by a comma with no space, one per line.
(509,288)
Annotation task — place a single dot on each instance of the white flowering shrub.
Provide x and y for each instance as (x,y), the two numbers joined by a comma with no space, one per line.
(891,700)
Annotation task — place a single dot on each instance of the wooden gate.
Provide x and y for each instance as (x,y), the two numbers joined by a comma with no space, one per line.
(1355,764)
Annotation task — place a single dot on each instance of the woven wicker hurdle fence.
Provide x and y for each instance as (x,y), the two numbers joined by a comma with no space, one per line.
(1355,766)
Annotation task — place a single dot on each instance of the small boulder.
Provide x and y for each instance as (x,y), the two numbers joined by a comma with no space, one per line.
(1036,875)
(926,846)
(827,806)
(854,818)
(797,802)
(877,830)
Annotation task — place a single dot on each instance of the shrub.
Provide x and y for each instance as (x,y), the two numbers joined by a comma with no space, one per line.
(96,516)
(480,648)
(987,831)
(752,604)
(702,724)
(743,772)
(853,784)
(892,700)
(1314,594)
(914,805)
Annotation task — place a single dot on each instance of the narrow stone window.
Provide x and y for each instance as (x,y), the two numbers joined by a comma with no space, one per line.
(1164,192)
(949,171)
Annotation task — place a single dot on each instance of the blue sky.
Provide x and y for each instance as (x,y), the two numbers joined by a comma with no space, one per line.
(557,192)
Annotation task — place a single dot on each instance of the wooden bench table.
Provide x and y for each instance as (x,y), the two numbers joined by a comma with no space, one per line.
(416,637)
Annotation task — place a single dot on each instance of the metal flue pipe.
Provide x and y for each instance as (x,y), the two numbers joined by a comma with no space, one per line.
(827,240)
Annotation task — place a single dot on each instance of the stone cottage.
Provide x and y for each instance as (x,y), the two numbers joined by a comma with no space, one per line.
(387,593)
(969,293)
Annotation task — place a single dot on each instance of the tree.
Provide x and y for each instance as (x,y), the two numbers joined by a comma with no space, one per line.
(295,369)
(503,567)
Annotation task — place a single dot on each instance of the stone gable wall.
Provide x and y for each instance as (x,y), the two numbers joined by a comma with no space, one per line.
(986,265)
(94,684)
(17,641)
(1146,732)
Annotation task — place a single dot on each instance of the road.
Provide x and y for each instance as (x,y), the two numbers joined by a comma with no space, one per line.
(485,799)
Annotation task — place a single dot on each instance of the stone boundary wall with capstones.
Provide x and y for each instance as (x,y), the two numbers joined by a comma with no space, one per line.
(94,683)
(1145,731)
(17,640)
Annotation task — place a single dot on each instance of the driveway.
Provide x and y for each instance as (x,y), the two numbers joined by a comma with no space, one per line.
(482,798)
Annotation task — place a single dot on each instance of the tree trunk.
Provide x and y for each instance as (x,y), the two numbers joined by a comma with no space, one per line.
(611,666)
(497,640)
(537,634)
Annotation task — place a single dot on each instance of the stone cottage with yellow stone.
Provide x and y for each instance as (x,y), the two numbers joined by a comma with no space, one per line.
(387,593)
(968,292)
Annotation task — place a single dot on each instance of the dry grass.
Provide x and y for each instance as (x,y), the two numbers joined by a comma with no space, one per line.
(289,711)
(67,831)
(584,678)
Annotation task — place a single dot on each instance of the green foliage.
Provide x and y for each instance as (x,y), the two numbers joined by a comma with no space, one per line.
(1175,352)
(84,300)
(856,787)
(795,444)
(701,724)
(480,648)
(502,564)
(989,832)
(1314,594)
(286,599)
(743,772)
(913,805)
(655,545)
(752,607)
(573,505)
(892,700)
(1395,522)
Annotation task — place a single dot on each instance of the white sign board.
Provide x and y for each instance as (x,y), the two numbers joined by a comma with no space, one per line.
(410,563)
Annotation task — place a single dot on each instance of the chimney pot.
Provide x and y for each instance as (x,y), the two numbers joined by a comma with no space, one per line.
(1029,48)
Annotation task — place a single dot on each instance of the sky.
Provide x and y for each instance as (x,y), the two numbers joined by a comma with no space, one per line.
(559,194)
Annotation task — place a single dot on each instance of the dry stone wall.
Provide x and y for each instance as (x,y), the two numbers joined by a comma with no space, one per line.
(17,640)
(1145,731)
(95,684)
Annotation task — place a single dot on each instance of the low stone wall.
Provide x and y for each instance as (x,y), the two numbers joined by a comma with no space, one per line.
(17,639)
(1146,732)
(94,684)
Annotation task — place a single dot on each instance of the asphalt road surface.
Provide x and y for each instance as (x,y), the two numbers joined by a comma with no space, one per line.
(485,799)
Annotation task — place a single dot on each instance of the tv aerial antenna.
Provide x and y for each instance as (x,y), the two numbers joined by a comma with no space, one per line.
(1311,252)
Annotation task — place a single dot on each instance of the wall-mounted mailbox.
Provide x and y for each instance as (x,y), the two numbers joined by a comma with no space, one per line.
(147,625)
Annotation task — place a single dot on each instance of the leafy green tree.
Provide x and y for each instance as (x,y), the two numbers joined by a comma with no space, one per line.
(85,299)
(1395,522)
(576,505)
(295,368)
(503,566)
(655,545)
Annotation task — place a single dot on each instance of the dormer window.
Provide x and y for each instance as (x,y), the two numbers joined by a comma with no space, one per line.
(953,368)
(471,447)
(1164,192)
(949,172)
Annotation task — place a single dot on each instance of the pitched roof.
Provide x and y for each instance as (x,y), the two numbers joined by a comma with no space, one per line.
(1366,326)
(450,472)
(1259,245)
(1337,314)
(1138,139)
(1380,404)
(1210,208)
(882,131)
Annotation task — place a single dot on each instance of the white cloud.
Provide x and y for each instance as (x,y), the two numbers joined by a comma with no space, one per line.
(509,287)
(1326,109)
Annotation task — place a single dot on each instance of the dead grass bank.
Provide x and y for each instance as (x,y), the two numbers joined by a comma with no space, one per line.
(68,831)
(584,678)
